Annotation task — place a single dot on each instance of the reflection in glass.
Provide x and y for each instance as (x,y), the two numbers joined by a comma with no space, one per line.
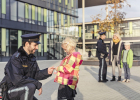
(42,44)
(0,8)
(36,15)
(30,14)
(0,42)
(7,9)
(13,9)
(28,10)
(13,41)
(42,13)
(7,42)
(20,12)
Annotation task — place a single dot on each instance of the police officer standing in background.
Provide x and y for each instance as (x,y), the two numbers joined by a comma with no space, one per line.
(102,54)
(22,73)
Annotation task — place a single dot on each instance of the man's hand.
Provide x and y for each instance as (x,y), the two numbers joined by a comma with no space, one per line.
(50,70)
(40,91)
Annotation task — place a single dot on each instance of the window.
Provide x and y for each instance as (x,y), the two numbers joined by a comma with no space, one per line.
(51,21)
(48,4)
(56,7)
(20,12)
(59,18)
(48,21)
(40,16)
(7,9)
(3,8)
(33,14)
(0,8)
(27,13)
(65,21)
(13,41)
(56,46)
(52,45)
(48,40)
(51,5)
(36,15)
(62,53)
(56,2)
(42,13)
(42,44)
(45,17)
(13,9)
(30,15)
(0,43)
(7,42)
(48,0)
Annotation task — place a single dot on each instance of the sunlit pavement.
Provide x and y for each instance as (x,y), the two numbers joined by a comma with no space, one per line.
(88,87)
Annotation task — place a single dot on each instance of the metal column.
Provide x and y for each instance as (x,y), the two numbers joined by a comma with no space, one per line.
(83,8)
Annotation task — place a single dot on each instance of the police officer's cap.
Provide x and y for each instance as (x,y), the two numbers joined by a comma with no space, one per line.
(31,38)
(102,33)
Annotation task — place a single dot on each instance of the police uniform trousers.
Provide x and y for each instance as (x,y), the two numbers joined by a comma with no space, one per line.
(102,69)
(25,92)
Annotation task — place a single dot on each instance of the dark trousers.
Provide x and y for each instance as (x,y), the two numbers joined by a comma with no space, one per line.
(102,69)
(126,70)
(25,92)
(66,99)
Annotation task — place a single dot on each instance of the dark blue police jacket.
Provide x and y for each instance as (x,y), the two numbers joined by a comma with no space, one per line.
(101,49)
(22,69)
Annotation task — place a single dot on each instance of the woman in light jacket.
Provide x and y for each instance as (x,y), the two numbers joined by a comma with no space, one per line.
(115,50)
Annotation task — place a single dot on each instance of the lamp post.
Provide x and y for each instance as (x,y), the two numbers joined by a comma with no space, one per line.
(83,9)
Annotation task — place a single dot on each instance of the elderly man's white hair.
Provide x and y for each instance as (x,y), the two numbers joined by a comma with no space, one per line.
(127,43)
(70,43)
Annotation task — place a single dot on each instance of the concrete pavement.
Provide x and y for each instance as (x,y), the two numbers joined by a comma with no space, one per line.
(88,87)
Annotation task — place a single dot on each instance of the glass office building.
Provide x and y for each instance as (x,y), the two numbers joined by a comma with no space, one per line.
(131,28)
(53,19)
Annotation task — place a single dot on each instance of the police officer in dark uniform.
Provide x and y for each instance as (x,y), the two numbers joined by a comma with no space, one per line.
(22,73)
(102,54)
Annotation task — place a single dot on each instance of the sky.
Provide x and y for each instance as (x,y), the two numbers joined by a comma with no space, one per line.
(131,12)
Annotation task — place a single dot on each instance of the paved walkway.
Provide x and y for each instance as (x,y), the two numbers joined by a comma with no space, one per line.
(88,87)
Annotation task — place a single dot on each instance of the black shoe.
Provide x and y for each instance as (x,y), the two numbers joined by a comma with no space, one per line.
(102,81)
(113,78)
(106,79)
(119,78)
(99,80)
(34,98)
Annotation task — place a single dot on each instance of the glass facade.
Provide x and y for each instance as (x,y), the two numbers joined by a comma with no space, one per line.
(20,12)
(50,48)
(59,21)
(12,40)
(130,28)
(13,9)
(68,6)
(54,21)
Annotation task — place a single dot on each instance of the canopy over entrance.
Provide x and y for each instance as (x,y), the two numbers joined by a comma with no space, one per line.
(89,3)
